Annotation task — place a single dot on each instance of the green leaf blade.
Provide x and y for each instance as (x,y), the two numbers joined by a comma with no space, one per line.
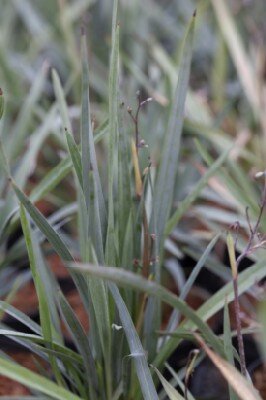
(165,181)
(34,381)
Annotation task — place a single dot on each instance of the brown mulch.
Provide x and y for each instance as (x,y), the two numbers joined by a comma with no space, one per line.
(13,388)
(259,379)
(26,301)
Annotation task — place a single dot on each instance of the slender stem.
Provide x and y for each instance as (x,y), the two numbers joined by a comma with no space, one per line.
(247,250)
(135,119)
(137,127)
(253,231)
(240,341)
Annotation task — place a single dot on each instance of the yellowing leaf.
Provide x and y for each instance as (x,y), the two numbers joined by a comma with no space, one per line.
(171,392)
(241,386)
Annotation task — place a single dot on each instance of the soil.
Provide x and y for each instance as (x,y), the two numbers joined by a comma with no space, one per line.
(26,301)
(13,388)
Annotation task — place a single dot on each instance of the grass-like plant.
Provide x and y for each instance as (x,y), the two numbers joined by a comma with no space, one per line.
(126,212)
